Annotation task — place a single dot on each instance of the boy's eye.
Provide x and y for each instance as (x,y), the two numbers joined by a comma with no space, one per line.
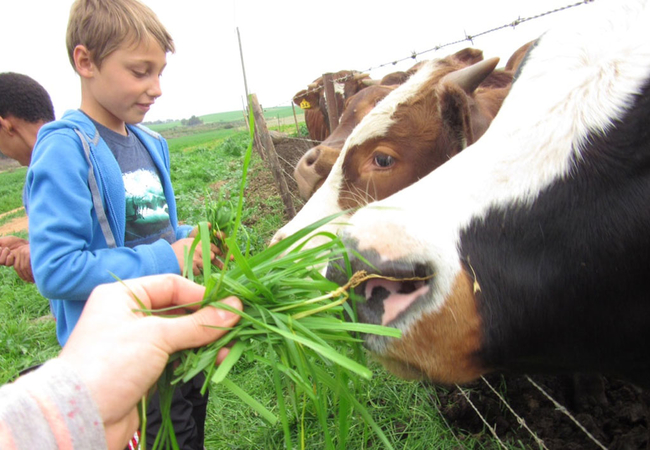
(139,74)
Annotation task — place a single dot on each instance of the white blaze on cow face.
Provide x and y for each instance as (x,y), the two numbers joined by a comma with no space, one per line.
(577,81)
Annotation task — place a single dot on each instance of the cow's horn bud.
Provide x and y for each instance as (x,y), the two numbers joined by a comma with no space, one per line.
(470,77)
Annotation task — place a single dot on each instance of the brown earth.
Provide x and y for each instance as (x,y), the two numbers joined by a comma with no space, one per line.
(14,226)
(19,223)
(619,420)
(7,163)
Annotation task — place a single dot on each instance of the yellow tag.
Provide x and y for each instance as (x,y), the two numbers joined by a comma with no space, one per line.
(305,104)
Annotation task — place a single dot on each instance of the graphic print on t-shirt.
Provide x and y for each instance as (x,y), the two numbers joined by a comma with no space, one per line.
(146,207)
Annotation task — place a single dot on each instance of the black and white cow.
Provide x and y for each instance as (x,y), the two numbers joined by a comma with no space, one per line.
(534,242)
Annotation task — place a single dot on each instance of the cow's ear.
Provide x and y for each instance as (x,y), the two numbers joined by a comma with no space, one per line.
(299,97)
(454,107)
(468,56)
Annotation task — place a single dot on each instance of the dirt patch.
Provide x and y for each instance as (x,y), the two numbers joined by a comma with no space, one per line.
(289,151)
(618,420)
(263,185)
(8,163)
(14,226)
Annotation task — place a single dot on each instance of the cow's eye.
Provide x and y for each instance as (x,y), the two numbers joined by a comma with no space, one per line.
(383,160)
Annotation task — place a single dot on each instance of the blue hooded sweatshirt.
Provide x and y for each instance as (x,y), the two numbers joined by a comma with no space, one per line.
(76,208)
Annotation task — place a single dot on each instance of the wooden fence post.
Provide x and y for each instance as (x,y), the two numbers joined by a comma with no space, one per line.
(272,157)
(295,119)
(257,144)
(330,99)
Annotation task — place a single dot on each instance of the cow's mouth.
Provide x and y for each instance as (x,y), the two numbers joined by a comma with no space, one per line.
(385,291)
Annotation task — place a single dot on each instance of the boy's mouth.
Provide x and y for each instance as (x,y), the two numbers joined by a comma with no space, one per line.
(144,106)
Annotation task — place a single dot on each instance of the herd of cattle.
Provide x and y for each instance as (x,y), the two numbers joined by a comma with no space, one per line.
(519,198)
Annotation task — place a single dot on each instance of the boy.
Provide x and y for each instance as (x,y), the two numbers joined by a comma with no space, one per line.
(25,106)
(101,203)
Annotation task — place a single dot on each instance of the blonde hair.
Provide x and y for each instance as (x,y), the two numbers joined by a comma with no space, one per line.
(103,25)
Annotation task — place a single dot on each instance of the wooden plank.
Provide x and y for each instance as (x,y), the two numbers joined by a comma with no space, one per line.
(272,157)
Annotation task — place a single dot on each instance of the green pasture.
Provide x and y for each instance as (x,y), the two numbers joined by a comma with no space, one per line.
(228,117)
(11,188)
(204,163)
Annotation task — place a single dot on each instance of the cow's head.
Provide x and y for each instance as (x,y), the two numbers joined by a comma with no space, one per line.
(417,127)
(312,169)
(314,166)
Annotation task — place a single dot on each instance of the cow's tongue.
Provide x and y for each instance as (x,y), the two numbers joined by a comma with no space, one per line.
(396,296)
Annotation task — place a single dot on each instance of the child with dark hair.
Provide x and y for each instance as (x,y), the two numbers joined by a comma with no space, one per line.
(25,106)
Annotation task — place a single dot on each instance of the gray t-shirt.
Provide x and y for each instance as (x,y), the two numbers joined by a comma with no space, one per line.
(147,213)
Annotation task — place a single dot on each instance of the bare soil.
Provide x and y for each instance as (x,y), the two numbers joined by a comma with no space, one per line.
(289,151)
(7,163)
(14,226)
(19,223)
(618,421)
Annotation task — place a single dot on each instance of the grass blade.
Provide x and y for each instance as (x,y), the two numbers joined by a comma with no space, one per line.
(250,401)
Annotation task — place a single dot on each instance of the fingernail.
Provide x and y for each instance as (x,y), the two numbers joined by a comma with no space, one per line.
(233,302)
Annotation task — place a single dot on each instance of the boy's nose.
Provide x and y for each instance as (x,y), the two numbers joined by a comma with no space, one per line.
(154,89)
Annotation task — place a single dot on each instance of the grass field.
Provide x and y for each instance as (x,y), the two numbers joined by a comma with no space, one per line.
(229,117)
(11,185)
(406,411)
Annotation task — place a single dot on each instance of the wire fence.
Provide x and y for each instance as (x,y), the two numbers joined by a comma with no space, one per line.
(492,426)
(467,38)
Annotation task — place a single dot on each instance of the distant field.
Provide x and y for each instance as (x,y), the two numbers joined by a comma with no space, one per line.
(231,116)
(194,140)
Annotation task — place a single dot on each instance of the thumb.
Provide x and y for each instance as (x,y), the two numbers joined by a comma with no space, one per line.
(197,329)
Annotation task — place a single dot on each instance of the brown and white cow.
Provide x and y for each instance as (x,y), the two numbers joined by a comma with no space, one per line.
(312,100)
(532,245)
(314,166)
(312,169)
(418,126)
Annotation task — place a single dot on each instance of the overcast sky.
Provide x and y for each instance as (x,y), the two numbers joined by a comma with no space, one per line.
(286,43)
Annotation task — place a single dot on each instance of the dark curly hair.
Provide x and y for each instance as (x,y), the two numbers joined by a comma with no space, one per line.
(23,98)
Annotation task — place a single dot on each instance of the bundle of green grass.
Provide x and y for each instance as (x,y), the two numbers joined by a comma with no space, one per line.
(306,324)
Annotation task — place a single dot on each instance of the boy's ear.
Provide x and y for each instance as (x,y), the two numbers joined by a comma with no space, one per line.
(5,124)
(83,61)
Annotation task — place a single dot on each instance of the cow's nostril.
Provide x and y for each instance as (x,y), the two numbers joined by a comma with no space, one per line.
(312,156)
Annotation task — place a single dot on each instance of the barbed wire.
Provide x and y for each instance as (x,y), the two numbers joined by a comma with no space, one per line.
(566,412)
(468,38)
(483,419)
(521,421)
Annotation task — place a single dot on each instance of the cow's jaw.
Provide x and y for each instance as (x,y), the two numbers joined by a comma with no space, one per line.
(442,346)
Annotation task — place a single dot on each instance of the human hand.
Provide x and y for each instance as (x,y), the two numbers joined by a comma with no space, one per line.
(6,258)
(197,257)
(22,263)
(7,245)
(217,238)
(119,353)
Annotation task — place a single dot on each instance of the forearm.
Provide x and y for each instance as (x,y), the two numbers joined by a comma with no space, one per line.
(73,275)
(47,409)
